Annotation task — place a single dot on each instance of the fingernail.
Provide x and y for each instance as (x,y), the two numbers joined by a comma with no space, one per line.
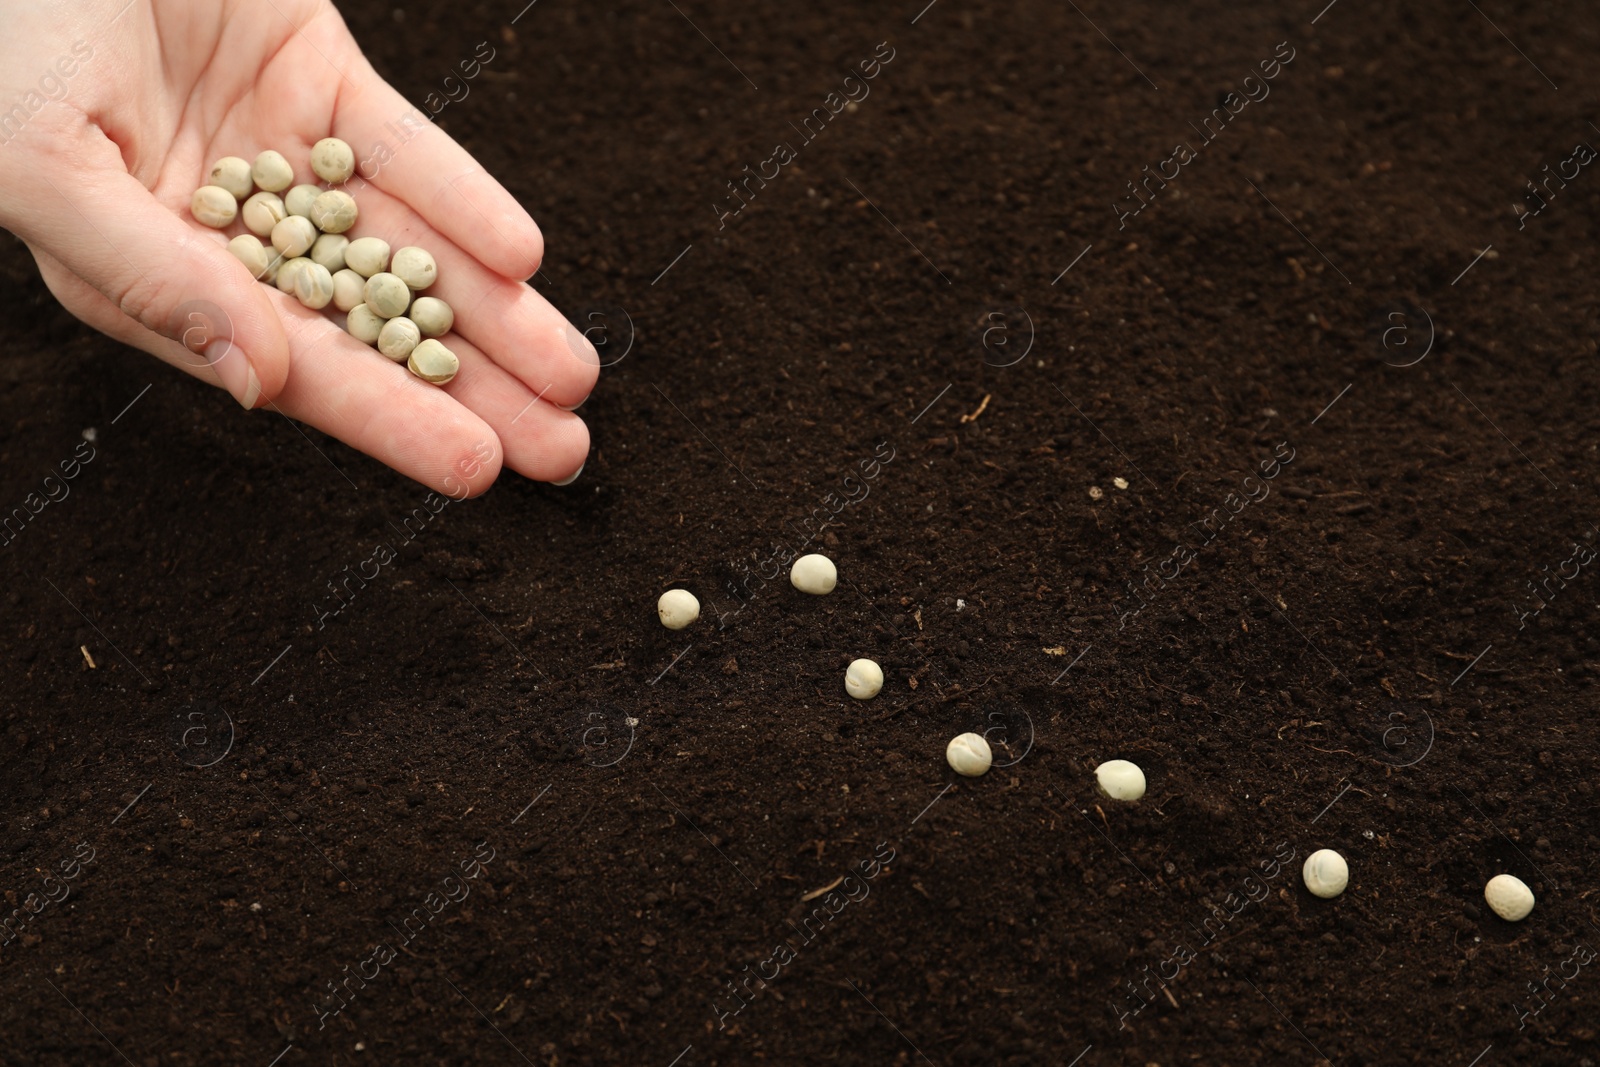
(574,476)
(234,371)
(578,405)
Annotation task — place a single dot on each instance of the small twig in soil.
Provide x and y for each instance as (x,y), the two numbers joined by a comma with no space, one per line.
(981,406)
(815,893)
(86,657)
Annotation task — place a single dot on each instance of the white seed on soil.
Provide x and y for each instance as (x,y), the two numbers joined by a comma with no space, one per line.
(333,160)
(364,325)
(262,212)
(415,267)
(213,206)
(814,574)
(329,251)
(1325,873)
(432,316)
(247,249)
(334,211)
(1120,780)
(677,608)
(233,174)
(272,172)
(292,266)
(387,295)
(367,256)
(433,362)
(298,201)
(349,290)
(294,236)
(968,754)
(398,337)
(313,286)
(1509,896)
(863,679)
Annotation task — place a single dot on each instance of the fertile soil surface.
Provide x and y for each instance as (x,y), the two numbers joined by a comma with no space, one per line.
(1278,480)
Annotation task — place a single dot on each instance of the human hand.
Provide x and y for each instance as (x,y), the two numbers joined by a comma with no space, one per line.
(111,114)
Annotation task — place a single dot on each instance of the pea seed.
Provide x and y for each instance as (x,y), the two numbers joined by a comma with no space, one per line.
(968,754)
(349,290)
(415,267)
(272,172)
(298,200)
(814,574)
(313,286)
(213,206)
(247,249)
(863,679)
(387,295)
(292,265)
(233,174)
(334,211)
(367,256)
(398,338)
(270,275)
(363,324)
(262,212)
(677,608)
(432,316)
(333,160)
(329,251)
(1325,873)
(1509,896)
(433,362)
(294,236)
(1120,780)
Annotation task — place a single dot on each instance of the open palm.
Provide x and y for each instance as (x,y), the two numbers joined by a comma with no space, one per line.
(98,185)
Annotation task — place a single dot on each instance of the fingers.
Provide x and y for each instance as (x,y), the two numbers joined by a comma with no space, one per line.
(401,151)
(160,270)
(516,326)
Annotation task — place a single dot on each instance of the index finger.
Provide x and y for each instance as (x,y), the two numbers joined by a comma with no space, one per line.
(400,150)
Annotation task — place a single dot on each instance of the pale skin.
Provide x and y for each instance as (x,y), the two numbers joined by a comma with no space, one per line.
(96,173)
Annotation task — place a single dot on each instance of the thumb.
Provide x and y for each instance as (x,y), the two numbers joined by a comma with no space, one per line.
(165,273)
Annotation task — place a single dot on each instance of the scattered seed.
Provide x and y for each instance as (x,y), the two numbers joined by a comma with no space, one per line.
(271,172)
(814,574)
(313,285)
(1120,780)
(292,265)
(969,755)
(677,608)
(1120,483)
(1325,873)
(1509,896)
(863,679)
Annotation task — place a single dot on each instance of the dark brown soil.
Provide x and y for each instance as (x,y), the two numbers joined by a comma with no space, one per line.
(1347,657)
